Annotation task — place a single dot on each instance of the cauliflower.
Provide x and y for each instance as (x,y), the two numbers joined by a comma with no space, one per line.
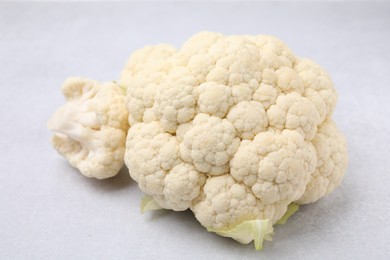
(235,128)
(90,129)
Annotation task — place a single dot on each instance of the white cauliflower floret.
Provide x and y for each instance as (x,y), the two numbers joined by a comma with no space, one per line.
(145,69)
(241,92)
(248,118)
(243,126)
(153,161)
(288,80)
(181,186)
(292,111)
(90,129)
(225,202)
(151,153)
(176,99)
(214,99)
(209,144)
(266,95)
(332,161)
(147,65)
(318,87)
(276,166)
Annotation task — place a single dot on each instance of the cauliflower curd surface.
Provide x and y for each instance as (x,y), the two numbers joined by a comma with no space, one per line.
(234,128)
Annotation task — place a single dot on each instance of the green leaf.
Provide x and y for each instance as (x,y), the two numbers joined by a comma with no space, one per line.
(291,209)
(252,230)
(148,203)
(124,89)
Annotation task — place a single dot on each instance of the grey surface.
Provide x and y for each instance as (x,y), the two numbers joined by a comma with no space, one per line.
(49,211)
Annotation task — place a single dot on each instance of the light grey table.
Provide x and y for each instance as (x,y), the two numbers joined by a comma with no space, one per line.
(49,211)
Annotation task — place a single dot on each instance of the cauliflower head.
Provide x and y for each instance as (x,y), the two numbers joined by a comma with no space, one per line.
(90,129)
(235,128)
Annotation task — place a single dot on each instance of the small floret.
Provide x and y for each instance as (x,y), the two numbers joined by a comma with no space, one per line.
(90,129)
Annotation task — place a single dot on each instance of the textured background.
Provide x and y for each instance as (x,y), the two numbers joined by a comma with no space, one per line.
(49,211)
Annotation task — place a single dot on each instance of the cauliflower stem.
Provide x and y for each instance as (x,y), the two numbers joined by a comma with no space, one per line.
(67,121)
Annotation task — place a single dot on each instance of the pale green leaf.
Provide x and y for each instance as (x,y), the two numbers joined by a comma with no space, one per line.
(124,89)
(252,230)
(291,209)
(148,203)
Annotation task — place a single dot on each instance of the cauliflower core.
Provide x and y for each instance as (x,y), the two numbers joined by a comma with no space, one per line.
(90,129)
(235,128)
